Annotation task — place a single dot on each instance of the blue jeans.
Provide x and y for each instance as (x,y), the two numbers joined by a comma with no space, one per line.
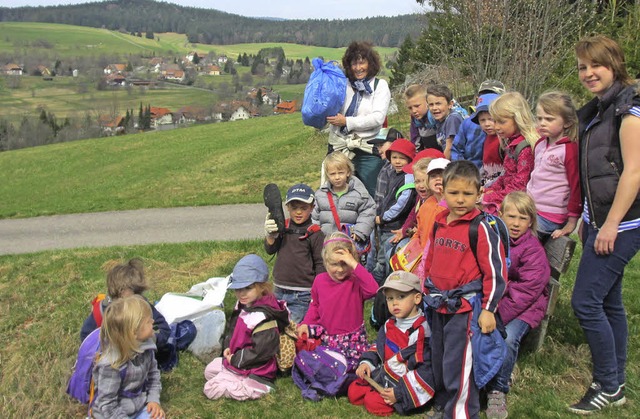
(367,167)
(516,329)
(141,414)
(546,226)
(597,303)
(382,269)
(297,302)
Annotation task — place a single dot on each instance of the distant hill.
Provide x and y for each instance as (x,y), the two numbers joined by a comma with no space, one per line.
(210,26)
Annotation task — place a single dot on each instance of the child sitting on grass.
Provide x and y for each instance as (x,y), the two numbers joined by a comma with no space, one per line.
(335,315)
(525,300)
(124,280)
(126,375)
(400,360)
(247,368)
(299,250)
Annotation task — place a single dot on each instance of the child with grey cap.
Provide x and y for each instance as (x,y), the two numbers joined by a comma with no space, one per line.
(400,360)
(247,368)
(299,249)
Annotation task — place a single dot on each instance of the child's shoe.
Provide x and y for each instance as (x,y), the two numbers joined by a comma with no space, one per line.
(497,405)
(595,399)
(273,201)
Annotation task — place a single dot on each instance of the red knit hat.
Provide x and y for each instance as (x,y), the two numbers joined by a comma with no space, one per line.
(403,146)
(432,153)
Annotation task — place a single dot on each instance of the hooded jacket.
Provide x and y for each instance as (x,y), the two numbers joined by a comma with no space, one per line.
(254,354)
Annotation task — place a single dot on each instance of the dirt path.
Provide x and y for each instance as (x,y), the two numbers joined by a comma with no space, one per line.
(170,225)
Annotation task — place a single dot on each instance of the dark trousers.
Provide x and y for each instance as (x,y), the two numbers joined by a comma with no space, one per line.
(597,303)
(451,353)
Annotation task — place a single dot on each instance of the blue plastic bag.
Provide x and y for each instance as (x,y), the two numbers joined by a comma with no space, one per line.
(324,94)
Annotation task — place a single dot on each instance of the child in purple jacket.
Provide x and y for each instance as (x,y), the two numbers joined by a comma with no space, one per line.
(524,303)
(248,366)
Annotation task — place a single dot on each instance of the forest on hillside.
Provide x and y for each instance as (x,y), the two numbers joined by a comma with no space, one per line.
(210,26)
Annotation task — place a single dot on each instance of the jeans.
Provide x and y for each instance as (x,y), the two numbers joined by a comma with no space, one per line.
(382,269)
(597,303)
(546,226)
(141,414)
(516,329)
(297,302)
(367,166)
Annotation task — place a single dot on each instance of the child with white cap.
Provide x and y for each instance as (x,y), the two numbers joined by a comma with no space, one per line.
(399,361)
(248,366)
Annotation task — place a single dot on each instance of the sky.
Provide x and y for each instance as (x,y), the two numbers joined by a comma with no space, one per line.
(287,9)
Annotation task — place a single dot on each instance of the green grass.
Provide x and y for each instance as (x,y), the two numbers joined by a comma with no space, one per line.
(44,298)
(221,163)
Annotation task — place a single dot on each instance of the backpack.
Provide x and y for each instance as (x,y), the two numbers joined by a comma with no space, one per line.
(496,224)
(287,350)
(80,382)
(516,153)
(324,94)
(96,311)
(319,373)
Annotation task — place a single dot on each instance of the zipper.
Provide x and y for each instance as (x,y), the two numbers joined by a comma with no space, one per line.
(592,217)
(615,168)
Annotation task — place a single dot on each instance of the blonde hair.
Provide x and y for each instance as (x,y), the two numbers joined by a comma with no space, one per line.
(560,104)
(512,105)
(605,51)
(524,204)
(422,165)
(337,241)
(415,90)
(263,288)
(339,160)
(126,276)
(121,321)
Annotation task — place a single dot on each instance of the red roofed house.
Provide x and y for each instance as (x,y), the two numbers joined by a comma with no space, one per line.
(287,106)
(160,116)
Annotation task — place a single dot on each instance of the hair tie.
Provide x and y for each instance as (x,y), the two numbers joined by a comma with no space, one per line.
(338,239)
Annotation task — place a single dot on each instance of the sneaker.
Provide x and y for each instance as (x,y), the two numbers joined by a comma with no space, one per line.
(496,405)
(436,412)
(595,399)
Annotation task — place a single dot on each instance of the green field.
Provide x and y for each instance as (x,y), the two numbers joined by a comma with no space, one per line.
(77,41)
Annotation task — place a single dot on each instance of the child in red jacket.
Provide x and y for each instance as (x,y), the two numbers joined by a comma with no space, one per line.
(457,280)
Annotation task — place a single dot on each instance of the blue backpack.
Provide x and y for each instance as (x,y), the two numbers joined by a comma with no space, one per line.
(319,373)
(79,386)
(324,94)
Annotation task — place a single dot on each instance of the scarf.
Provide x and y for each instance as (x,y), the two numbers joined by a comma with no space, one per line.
(360,87)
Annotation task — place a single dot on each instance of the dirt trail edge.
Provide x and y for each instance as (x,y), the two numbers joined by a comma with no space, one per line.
(146,226)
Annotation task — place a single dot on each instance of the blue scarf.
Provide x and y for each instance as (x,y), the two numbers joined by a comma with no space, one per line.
(360,87)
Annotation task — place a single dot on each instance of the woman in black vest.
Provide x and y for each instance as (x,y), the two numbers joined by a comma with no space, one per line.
(610,233)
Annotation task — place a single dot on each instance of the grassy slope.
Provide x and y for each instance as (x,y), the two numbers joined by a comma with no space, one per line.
(208,164)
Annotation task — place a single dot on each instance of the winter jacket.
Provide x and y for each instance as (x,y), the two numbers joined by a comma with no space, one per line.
(600,156)
(468,143)
(555,180)
(402,360)
(299,256)
(395,208)
(517,171)
(492,164)
(141,381)
(526,297)
(354,207)
(423,133)
(254,354)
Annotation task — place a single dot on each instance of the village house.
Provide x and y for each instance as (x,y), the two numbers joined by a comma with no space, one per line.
(115,80)
(115,69)
(174,75)
(222,59)
(111,125)
(12,69)
(192,114)
(211,70)
(160,116)
(286,106)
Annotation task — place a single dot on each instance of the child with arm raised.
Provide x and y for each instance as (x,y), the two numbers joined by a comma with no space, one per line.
(335,315)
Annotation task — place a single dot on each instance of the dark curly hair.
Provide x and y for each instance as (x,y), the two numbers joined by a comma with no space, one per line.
(363,50)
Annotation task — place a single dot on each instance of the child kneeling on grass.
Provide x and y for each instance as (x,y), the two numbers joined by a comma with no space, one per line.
(400,360)
(525,300)
(247,368)
(126,376)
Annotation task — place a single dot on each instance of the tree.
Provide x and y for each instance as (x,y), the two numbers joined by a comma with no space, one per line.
(404,63)
(196,59)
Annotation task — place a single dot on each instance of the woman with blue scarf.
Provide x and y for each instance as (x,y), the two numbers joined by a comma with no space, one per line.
(363,113)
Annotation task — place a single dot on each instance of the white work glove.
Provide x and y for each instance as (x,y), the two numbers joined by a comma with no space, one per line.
(270,227)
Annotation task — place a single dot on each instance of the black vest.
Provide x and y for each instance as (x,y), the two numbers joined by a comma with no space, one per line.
(600,157)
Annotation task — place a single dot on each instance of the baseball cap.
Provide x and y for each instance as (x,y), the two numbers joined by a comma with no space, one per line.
(402,281)
(386,134)
(249,270)
(437,164)
(493,86)
(300,192)
(428,153)
(483,105)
